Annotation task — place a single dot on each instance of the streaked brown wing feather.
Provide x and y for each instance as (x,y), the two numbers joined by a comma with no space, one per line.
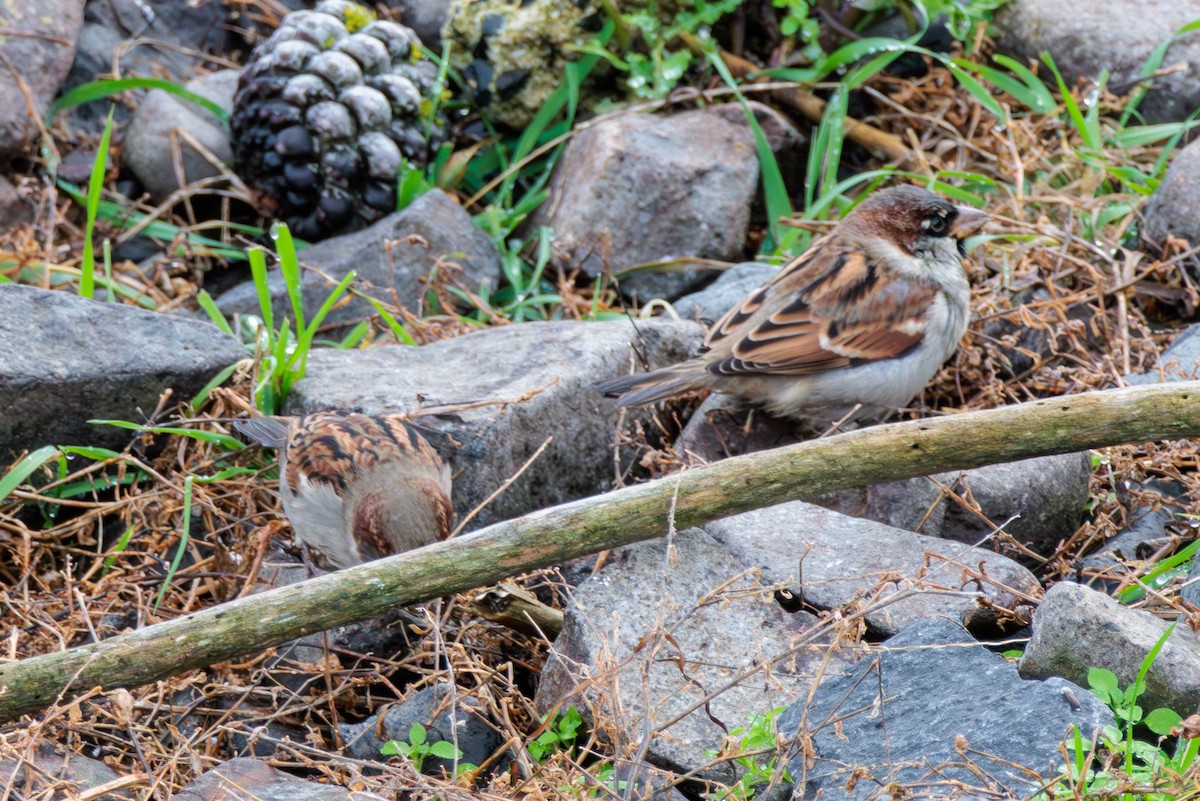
(830,308)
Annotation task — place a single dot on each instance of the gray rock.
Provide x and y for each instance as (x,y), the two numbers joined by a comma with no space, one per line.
(1085,38)
(523,383)
(53,770)
(40,49)
(1076,628)
(837,560)
(153,136)
(1048,495)
(393,259)
(80,359)
(447,714)
(1174,208)
(243,778)
(1149,514)
(642,188)
(163,38)
(710,303)
(426,18)
(616,638)
(14,209)
(1190,591)
(1179,362)
(904,709)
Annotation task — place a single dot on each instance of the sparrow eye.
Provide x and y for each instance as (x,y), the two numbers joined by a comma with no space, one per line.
(937,226)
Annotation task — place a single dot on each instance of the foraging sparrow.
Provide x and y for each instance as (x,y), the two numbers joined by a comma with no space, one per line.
(866,316)
(357,487)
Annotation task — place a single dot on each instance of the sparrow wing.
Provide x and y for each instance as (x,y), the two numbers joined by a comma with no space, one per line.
(832,307)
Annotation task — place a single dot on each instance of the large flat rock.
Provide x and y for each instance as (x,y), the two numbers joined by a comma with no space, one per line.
(834,560)
(661,628)
(504,392)
(66,359)
(932,714)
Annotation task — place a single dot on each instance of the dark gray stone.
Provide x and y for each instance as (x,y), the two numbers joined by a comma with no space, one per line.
(74,359)
(161,38)
(520,384)
(1179,362)
(651,643)
(426,18)
(447,714)
(153,135)
(14,209)
(1076,628)
(239,779)
(53,770)
(1119,36)
(1039,502)
(393,260)
(1174,208)
(711,303)
(40,49)
(643,188)
(905,708)
(835,560)
(1150,512)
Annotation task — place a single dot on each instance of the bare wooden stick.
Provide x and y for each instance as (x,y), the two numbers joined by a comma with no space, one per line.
(550,536)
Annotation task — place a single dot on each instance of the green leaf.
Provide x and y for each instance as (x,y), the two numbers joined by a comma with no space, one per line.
(416,734)
(390,748)
(1161,721)
(444,749)
(1103,680)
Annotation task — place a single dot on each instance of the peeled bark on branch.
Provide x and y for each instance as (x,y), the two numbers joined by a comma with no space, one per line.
(550,536)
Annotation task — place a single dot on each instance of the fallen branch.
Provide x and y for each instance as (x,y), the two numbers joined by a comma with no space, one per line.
(550,536)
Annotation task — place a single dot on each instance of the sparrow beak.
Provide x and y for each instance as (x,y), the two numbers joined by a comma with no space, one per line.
(967,222)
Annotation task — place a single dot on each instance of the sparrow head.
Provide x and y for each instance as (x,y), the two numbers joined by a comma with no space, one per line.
(919,222)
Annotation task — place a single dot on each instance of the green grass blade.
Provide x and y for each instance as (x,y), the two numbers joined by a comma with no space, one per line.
(87,278)
(24,468)
(300,355)
(211,437)
(977,90)
(184,539)
(1073,111)
(775,194)
(119,548)
(289,266)
(1038,96)
(210,308)
(396,326)
(258,271)
(216,381)
(97,90)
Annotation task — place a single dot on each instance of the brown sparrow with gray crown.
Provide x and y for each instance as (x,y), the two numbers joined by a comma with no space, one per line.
(357,487)
(865,317)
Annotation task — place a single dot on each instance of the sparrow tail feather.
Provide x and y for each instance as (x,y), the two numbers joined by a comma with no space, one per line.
(642,389)
(269,431)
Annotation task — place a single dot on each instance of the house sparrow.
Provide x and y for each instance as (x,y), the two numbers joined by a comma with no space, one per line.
(865,317)
(357,487)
